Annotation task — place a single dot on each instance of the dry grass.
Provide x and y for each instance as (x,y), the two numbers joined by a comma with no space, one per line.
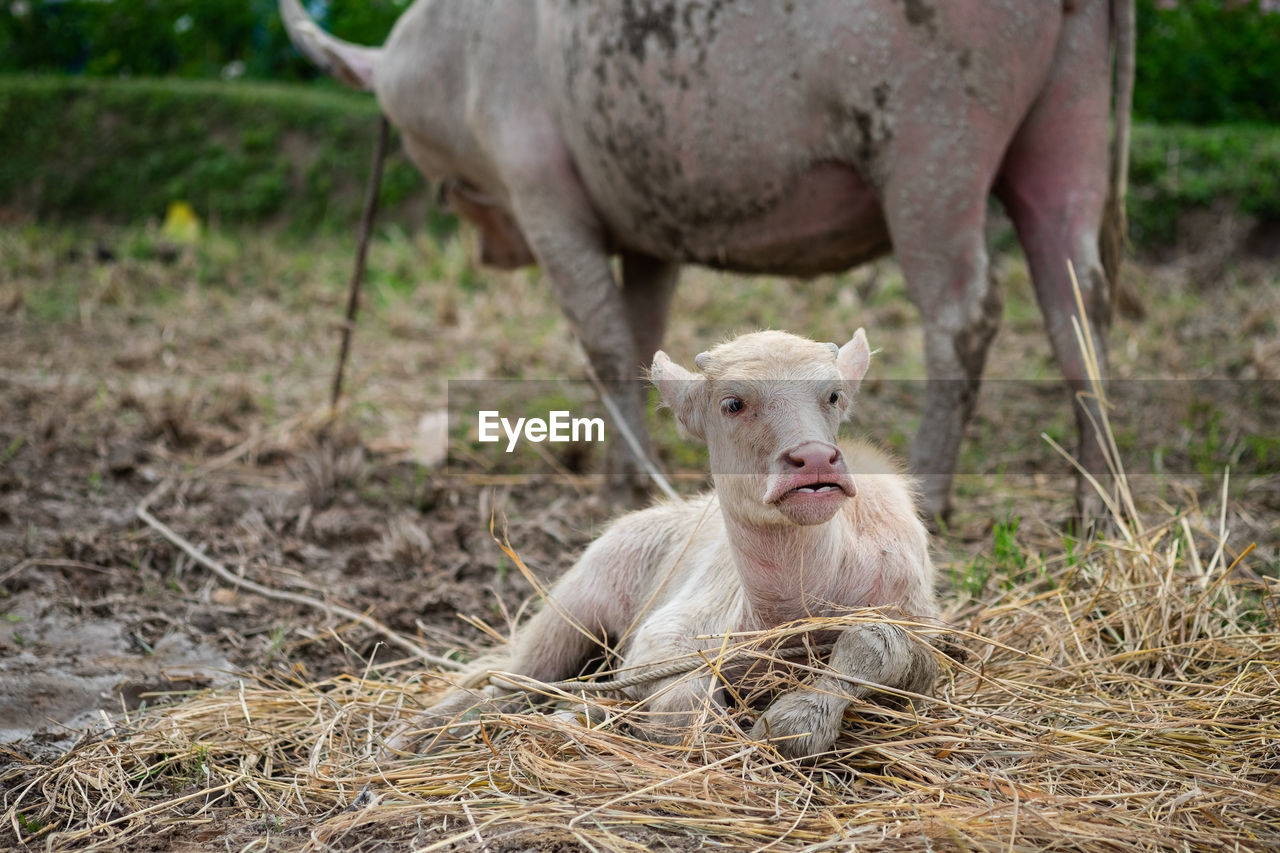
(1122,695)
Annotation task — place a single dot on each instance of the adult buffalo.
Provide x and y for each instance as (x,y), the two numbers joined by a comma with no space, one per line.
(791,137)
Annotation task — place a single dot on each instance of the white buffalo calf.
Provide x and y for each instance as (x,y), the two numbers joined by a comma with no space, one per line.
(798,526)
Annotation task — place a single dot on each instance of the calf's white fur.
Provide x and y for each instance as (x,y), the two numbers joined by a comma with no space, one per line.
(797,526)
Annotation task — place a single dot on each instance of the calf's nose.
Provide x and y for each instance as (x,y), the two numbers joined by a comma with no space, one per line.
(814,457)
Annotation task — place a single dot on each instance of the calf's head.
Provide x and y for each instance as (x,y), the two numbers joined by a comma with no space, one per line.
(768,405)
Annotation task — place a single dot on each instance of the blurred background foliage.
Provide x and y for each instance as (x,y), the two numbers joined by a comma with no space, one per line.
(115,108)
(1200,61)
(1208,61)
(183,38)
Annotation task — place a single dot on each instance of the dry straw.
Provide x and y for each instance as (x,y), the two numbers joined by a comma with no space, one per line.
(1119,695)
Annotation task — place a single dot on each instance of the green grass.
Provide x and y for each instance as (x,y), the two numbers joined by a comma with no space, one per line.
(1002,559)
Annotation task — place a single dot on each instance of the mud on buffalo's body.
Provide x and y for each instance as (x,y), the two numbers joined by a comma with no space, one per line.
(787,137)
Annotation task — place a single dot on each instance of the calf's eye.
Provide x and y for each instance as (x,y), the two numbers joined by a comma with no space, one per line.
(834,399)
(731,405)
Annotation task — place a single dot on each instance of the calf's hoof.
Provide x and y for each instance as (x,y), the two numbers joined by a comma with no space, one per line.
(798,725)
(424,734)
(404,739)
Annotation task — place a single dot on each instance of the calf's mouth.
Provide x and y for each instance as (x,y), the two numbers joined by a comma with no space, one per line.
(816,488)
(823,485)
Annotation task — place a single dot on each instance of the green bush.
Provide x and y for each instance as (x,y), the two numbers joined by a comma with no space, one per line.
(239,153)
(187,38)
(1207,62)
(1176,168)
(1199,61)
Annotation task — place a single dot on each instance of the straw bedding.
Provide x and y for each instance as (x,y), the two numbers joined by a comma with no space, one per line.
(1120,696)
(1123,698)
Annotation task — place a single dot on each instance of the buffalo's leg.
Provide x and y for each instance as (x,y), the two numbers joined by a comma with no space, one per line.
(647,287)
(568,239)
(944,261)
(1054,185)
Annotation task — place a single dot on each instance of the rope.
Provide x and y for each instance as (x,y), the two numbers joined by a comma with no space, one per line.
(657,672)
(629,437)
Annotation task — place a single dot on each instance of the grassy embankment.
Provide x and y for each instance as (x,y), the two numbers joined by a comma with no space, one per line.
(243,154)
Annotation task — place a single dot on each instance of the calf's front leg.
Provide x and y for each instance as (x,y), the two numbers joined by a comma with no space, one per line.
(805,721)
(680,709)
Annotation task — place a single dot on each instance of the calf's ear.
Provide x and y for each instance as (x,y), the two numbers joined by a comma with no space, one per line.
(852,361)
(683,392)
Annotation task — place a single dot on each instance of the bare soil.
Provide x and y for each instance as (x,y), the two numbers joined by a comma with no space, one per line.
(196,379)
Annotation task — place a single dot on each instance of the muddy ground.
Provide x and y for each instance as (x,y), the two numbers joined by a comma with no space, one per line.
(195,378)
